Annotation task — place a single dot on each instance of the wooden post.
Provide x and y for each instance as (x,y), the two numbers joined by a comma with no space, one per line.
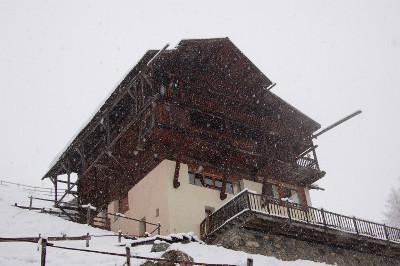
(119,236)
(43,255)
(87,240)
(158,228)
(288,211)
(177,167)
(55,191)
(323,217)
(386,233)
(248,199)
(223,195)
(69,180)
(355,225)
(249,262)
(30,202)
(128,256)
(40,235)
(225,175)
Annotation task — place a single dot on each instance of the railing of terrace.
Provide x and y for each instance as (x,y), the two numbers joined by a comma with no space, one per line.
(295,212)
(307,162)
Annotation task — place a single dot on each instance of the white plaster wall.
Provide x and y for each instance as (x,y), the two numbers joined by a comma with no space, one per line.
(181,209)
(253,186)
(187,203)
(144,198)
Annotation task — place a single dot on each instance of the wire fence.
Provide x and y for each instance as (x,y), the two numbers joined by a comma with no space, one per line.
(47,191)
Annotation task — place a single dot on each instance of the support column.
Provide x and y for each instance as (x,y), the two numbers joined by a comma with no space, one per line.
(227,163)
(178,166)
(55,190)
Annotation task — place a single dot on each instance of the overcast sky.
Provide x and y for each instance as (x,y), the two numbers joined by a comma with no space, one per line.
(60,59)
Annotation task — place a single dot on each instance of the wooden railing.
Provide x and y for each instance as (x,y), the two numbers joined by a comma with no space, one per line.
(230,210)
(248,201)
(307,162)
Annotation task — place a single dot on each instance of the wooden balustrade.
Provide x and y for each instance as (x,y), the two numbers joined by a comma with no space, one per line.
(307,162)
(296,212)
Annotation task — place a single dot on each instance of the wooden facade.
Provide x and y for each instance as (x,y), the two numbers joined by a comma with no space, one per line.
(203,104)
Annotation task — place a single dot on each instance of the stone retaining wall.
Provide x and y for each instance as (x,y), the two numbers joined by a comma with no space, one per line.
(288,248)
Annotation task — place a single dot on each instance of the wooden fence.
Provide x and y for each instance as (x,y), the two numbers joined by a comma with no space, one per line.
(90,218)
(247,201)
(44,243)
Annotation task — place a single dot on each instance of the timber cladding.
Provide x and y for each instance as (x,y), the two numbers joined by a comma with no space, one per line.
(202,103)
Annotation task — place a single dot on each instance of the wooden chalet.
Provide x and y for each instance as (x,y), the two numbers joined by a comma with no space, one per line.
(205,105)
(194,138)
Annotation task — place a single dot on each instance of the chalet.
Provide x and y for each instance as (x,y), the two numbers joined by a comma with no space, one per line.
(183,136)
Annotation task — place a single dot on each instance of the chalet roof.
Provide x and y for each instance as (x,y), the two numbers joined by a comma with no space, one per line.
(222,61)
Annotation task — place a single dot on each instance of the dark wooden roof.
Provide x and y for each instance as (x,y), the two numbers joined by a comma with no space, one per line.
(221,67)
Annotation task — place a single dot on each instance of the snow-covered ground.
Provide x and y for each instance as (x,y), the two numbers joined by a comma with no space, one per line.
(16,222)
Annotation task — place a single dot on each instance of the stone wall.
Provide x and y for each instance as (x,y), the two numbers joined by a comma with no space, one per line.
(287,248)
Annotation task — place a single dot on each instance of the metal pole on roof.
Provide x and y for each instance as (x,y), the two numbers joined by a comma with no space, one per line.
(270,87)
(337,123)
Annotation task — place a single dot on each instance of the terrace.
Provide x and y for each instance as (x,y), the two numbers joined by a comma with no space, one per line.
(257,212)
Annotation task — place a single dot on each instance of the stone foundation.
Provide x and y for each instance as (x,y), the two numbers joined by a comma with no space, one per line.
(290,249)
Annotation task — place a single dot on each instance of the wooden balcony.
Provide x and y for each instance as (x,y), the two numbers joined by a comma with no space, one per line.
(307,163)
(259,212)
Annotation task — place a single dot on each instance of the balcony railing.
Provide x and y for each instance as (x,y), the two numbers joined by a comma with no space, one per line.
(248,201)
(307,162)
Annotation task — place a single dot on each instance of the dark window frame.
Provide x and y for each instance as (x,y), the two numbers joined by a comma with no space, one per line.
(199,179)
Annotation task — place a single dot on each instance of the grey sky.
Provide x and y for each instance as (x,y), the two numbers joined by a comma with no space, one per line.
(60,59)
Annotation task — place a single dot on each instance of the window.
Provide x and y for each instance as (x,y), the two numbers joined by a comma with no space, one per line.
(208,180)
(212,181)
(157,212)
(272,191)
(291,194)
(229,188)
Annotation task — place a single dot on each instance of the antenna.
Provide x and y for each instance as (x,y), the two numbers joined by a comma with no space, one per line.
(336,124)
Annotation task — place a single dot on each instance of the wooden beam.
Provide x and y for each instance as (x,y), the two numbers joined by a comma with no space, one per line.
(176,183)
(227,164)
(55,190)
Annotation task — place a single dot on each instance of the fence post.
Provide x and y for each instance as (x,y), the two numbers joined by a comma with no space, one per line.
(87,240)
(386,233)
(40,235)
(267,202)
(158,228)
(119,236)
(43,255)
(128,255)
(323,217)
(30,202)
(248,199)
(288,211)
(249,262)
(355,225)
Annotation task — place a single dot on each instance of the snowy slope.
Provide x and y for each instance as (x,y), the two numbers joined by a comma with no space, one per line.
(16,222)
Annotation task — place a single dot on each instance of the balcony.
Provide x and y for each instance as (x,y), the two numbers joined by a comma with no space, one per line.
(307,163)
(259,212)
